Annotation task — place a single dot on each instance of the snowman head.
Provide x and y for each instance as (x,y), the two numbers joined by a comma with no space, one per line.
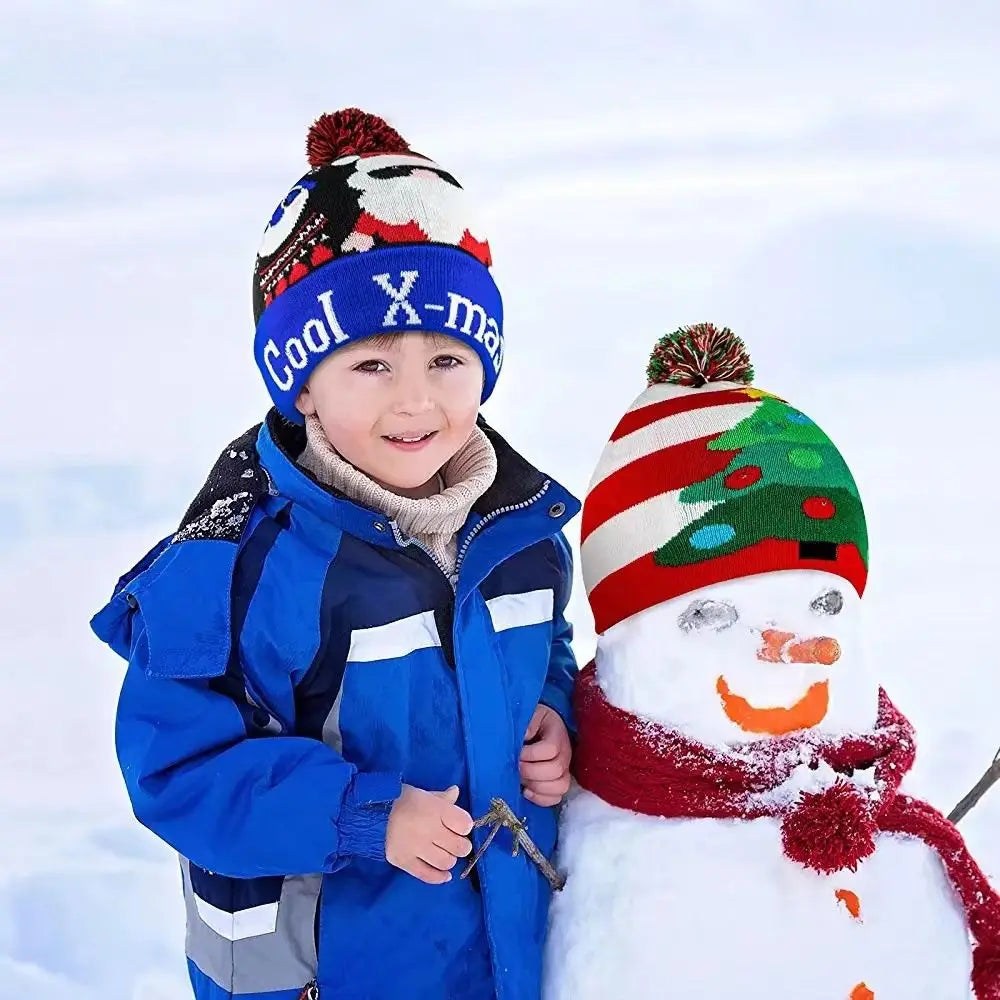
(725,554)
(745,659)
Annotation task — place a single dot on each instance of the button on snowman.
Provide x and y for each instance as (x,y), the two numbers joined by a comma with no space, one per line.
(739,830)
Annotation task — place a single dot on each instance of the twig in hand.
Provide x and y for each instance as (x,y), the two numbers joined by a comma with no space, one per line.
(486,843)
(978,790)
(501,815)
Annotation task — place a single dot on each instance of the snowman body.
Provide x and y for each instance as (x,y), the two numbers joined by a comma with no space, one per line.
(658,907)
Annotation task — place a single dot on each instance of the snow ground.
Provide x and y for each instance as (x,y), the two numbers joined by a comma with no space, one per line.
(823,182)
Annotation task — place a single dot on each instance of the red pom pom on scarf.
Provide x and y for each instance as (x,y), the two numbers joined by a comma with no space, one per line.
(829,830)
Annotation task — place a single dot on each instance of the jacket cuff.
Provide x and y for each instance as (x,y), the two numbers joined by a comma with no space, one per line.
(364,814)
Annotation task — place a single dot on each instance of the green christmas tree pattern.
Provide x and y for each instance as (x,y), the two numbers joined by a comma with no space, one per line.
(787,481)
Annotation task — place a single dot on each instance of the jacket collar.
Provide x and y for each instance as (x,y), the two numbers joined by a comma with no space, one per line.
(280,442)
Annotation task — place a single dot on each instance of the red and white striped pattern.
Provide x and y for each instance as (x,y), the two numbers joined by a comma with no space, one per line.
(633,505)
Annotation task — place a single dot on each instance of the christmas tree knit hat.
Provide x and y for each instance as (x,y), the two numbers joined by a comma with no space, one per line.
(374,239)
(706,479)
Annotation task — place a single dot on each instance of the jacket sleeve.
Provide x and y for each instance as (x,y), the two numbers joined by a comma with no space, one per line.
(211,773)
(561,676)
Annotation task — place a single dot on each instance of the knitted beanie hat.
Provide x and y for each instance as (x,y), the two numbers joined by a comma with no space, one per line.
(706,479)
(375,238)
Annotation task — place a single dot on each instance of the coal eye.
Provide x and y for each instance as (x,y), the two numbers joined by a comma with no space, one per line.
(830,602)
(713,615)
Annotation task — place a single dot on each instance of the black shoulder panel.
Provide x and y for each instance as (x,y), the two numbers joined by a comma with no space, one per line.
(223,506)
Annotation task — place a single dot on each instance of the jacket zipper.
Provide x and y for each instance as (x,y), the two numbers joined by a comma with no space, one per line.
(494,514)
(452,578)
(402,540)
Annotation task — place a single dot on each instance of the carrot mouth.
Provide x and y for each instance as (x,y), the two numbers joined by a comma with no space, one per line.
(808,711)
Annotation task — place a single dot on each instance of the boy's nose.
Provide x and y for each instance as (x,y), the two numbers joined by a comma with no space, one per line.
(412,399)
(786,647)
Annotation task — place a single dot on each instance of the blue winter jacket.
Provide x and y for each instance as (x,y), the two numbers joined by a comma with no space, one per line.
(292,659)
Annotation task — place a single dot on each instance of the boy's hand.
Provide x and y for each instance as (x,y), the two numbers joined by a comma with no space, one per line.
(545,758)
(427,833)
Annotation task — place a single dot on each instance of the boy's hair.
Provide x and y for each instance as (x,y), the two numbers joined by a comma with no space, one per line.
(375,239)
(387,341)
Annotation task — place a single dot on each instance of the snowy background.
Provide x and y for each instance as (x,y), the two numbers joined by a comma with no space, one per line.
(821,177)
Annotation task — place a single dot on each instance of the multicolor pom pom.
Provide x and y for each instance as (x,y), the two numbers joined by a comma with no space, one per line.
(698,354)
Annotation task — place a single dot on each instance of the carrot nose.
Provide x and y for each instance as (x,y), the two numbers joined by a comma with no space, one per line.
(785,647)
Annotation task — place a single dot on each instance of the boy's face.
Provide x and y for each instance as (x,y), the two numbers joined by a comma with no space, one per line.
(397,407)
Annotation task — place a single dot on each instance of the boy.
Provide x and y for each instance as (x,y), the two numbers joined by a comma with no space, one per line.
(357,637)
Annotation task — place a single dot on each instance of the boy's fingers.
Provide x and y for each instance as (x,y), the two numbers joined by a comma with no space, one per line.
(437,858)
(423,871)
(460,847)
(533,727)
(559,786)
(541,799)
(457,820)
(542,750)
(544,770)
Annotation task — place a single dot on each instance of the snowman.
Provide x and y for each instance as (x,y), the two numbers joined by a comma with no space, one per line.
(739,829)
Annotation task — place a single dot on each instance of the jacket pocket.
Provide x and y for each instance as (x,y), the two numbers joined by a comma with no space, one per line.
(375,712)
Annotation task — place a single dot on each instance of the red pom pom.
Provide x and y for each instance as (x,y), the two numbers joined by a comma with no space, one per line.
(986,972)
(351,132)
(829,830)
(695,355)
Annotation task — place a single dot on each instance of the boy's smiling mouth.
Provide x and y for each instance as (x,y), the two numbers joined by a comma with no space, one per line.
(409,442)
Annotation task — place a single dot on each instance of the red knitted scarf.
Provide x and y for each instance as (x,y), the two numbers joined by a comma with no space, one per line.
(636,764)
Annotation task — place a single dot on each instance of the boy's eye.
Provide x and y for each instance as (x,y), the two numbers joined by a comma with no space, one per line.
(371,367)
(708,615)
(446,361)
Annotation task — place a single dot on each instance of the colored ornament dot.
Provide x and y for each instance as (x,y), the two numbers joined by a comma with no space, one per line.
(798,418)
(820,508)
(805,458)
(740,479)
(712,536)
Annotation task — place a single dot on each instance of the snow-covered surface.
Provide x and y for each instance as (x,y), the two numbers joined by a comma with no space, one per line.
(712,908)
(822,178)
